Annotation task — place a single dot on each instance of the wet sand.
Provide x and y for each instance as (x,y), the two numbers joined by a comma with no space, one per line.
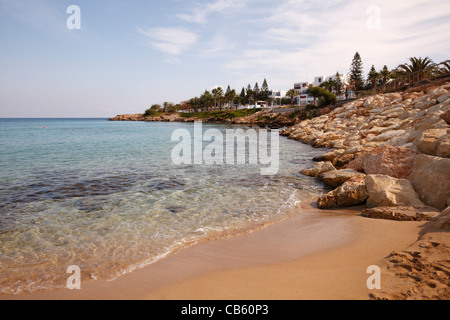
(314,255)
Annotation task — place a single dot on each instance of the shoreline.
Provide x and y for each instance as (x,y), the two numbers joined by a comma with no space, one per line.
(270,261)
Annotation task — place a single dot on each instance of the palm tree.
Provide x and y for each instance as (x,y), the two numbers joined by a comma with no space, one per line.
(329,85)
(218,95)
(232,97)
(416,65)
(445,68)
(166,106)
(292,94)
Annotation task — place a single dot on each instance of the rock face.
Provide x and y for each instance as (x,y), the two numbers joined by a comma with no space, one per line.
(419,213)
(352,192)
(395,135)
(319,168)
(385,191)
(388,160)
(431,179)
(261,118)
(336,178)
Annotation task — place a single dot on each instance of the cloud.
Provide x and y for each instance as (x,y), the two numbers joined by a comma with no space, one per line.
(173,41)
(200,13)
(301,38)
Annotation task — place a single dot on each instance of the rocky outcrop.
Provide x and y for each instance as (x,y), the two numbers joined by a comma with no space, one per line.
(128,117)
(261,118)
(391,192)
(411,213)
(352,192)
(337,178)
(431,179)
(404,137)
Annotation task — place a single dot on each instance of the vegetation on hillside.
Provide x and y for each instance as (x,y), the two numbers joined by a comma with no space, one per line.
(216,102)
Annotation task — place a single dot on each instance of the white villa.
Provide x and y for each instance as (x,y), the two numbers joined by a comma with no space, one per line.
(275,95)
(301,87)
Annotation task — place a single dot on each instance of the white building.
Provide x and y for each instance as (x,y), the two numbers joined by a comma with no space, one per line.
(301,87)
(276,95)
(303,98)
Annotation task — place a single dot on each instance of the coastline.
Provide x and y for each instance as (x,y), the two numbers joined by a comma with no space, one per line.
(287,260)
(324,254)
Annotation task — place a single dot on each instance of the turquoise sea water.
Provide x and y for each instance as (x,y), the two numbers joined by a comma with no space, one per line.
(106,197)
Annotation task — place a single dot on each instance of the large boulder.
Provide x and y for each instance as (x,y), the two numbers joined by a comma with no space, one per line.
(337,178)
(352,192)
(428,141)
(385,191)
(392,161)
(321,167)
(430,177)
(419,213)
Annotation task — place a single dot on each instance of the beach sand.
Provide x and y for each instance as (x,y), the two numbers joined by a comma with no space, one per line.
(314,255)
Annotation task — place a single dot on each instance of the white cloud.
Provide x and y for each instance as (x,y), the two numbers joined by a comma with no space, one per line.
(301,38)
(173,41)
(200,13)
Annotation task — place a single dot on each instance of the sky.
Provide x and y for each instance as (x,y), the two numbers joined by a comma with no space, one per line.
(125,56)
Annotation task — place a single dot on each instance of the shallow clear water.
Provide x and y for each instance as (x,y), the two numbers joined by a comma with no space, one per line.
(106,197)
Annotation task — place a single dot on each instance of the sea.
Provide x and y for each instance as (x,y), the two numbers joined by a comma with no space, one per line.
(107,197)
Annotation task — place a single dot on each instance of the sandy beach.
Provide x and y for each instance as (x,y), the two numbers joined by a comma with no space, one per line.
(314,255)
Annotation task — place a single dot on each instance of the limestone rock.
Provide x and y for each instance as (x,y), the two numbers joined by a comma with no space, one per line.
(429,140)
(388,160)
(352,192)
(319,168)
(343,160)
(430,177)
(336,178)
(388,191)
(329,156)
(388,135)
(403,213)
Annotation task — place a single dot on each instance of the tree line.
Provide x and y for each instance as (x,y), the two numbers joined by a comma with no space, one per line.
(218,99)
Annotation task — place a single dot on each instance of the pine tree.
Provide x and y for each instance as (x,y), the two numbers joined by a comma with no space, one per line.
(338,84)
(373,77)
(265,91)
(256,91)
(356,73)
(242,96)
(385,74)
